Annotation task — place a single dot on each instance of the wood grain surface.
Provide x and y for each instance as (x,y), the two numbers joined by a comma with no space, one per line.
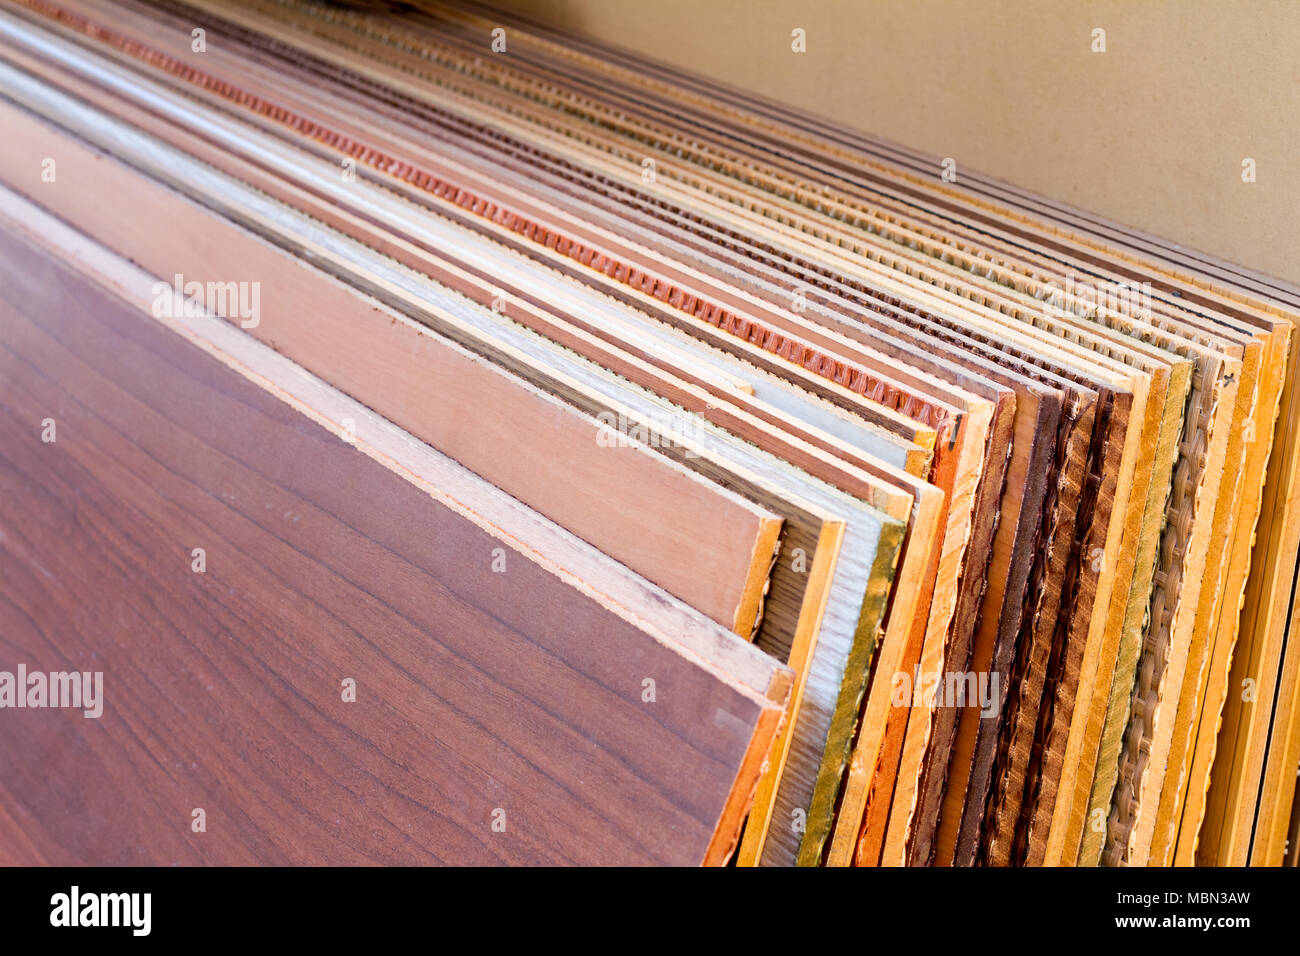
(476,691)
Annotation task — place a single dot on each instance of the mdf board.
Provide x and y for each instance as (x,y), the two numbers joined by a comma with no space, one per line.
(888,771)
(974,580)
(990,479)
(477,691)
(1058,655)
(1251,665)
(1236,510)
(935,654)
(1241,820)
(1220,576)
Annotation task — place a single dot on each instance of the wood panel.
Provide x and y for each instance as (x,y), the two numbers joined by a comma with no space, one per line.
(477,691)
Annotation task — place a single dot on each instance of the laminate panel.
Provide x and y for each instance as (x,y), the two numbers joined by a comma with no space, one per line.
(1224,836)
(988,340)
(873,834)
(1070,514)
(1162,813)
(746,534)
(1115,667)
(1219,690)
(307,535)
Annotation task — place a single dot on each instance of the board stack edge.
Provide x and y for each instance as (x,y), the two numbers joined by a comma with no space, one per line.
(1006,493)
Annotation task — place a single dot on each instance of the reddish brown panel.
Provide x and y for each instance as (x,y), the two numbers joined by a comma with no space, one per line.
(481,697)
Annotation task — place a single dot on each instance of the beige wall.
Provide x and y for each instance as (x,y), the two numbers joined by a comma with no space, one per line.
(1151,133)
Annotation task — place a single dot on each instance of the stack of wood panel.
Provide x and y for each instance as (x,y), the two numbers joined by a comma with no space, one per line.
(684,479)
